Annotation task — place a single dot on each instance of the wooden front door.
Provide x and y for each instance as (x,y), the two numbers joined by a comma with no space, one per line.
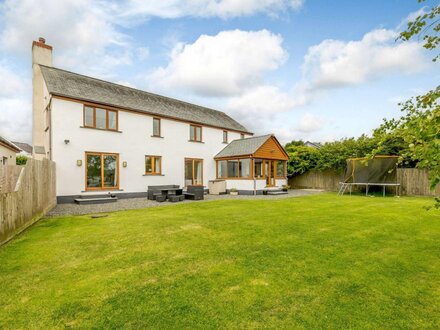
(102,171)
(270,170)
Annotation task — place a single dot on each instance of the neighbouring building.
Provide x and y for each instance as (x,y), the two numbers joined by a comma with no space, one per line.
(315,145)
(8,152)
(26,149)
(105,137)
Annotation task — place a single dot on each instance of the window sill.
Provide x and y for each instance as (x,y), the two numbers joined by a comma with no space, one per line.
(196,141)
(153,174)
(101,190)
(157,136)
(102,129)
(225,142)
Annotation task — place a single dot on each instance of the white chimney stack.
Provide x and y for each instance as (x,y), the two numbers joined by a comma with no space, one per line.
(41,55)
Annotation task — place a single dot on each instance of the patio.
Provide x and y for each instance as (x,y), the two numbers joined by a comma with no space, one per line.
(140,203)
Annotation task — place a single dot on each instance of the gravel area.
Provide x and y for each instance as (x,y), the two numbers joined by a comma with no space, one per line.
(140,203)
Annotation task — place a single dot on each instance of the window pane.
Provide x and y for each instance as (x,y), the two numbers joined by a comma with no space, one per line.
(191,133)
(225,136)
(198,172)
(198,133)
(188,172)
(232,168)
(157,167)
(221,169)
(94,171)
(88,120)
(258,168)
(112,119)
(156,127)
(245,165)
(280,169)
(101,119)
(110,172)
(148,164)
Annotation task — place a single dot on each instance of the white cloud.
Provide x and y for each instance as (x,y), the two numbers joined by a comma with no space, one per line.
(335,63)
(143,53)
(139,9)
(15,105)
(259,106)
(310,123)
(81,32)
(225,64)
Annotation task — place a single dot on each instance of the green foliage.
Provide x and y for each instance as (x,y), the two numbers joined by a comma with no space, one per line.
(21,160)
(334,155)
(427,27)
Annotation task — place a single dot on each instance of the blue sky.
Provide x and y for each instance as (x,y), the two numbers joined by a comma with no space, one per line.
(302,69)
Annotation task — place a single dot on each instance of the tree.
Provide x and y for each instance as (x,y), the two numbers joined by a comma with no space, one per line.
(419,126)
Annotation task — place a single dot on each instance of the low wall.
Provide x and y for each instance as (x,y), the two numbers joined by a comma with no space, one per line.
(413,181)
(28,198)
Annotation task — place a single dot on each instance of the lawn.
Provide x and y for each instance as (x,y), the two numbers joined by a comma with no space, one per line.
(317,262)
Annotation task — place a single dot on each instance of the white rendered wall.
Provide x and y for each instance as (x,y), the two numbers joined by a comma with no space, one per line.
(246,184)
(132,145)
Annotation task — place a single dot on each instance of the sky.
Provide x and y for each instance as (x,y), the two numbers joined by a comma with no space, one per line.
(314,70)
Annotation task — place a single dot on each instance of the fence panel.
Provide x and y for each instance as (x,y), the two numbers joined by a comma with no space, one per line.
(27,193)
(413,181)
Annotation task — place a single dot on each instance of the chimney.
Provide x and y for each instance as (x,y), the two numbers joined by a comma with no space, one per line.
(41,130)
(41,52)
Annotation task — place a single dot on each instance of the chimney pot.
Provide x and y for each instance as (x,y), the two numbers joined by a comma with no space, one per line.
(42,40)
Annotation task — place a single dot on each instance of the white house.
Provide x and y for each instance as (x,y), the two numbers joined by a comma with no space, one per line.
(8,152)
(106,137)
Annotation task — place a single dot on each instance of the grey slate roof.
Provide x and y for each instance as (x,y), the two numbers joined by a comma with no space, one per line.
(23,146)
(9,144)
(243,147)
(64,83)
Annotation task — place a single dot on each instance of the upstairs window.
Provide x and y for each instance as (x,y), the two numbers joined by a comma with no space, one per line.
(195,133)
(100,118)
(153,165)
(225,136)
(156,127)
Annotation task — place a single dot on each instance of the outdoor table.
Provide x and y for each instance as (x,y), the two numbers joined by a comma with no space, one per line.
(166,191)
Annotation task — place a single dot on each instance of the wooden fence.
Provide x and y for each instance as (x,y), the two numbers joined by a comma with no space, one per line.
(413,181)
(27,193)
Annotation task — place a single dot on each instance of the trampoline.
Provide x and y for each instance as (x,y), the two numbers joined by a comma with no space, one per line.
(367,172)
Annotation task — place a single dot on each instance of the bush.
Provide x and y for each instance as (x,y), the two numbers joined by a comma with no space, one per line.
(21,160)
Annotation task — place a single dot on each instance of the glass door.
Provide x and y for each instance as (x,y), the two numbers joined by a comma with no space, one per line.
(270,168)
(193,172)
(102,171)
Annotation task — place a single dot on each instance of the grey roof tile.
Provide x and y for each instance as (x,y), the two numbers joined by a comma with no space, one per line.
(243,147)
(64,83)
(23,146)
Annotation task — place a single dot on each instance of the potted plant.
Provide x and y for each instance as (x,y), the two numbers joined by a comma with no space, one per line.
(286,187)
(233,191)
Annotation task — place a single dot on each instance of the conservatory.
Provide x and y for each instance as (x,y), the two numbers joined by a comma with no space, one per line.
(253,164)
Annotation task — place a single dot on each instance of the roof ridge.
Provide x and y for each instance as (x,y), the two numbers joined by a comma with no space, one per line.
(139,90)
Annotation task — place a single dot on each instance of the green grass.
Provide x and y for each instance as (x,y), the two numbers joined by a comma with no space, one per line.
(311,262)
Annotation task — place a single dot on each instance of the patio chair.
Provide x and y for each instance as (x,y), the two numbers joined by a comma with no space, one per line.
(195,192)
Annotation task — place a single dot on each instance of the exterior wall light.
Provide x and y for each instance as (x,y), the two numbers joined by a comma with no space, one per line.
(79,162)
(124,164)
(66,141)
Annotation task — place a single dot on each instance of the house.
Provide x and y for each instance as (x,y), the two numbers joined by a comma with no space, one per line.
(8,152)
(315,145)
(106,138)
(26,149)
